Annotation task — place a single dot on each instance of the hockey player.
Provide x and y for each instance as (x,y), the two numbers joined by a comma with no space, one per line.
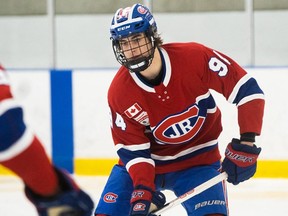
(50,189)
(165,122)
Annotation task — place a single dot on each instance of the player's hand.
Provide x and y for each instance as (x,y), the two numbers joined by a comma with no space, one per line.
(144,201)
(240,161)
(72,201)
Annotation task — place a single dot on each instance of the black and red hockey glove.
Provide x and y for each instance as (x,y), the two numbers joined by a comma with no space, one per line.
(71,201)
(240,161)
(144,201)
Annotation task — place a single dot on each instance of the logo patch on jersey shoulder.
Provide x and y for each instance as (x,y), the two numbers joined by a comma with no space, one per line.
(179,128)
(133,110)
(142,118)
(110,197)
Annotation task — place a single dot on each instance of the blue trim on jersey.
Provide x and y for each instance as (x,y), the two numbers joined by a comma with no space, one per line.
(62,119)
(12,127)
(205,104)
(127,155)
(249,88)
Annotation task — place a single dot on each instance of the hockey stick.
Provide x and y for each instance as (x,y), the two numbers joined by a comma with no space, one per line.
(199,189)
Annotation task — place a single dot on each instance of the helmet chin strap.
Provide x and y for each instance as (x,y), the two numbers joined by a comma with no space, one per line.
(139,65)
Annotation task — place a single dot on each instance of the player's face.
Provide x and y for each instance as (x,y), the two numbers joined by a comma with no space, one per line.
(135,46)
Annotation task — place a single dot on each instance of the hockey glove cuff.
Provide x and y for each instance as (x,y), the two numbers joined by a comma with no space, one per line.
(144,201)
(70,201)
(240,161)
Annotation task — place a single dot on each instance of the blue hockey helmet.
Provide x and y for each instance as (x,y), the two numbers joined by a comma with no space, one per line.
(131,20)
(127,22)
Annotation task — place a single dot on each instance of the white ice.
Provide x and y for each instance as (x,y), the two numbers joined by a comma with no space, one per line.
(256,197)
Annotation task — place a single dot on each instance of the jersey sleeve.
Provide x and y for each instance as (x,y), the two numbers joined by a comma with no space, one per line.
(225,76)
(20,150)
(133,147)
(12,125)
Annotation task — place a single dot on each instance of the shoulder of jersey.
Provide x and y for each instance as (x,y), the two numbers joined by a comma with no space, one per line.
(121,83)
(183,45)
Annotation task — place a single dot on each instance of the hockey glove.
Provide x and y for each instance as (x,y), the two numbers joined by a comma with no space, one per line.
(72,201)
(240,161)
(144,201)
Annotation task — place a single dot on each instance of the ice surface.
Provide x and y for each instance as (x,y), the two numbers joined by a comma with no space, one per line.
(252,198)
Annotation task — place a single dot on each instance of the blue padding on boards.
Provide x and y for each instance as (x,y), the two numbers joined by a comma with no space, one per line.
(62,119)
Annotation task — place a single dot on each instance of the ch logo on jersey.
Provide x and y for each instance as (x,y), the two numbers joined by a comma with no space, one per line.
(110,197)
(179,128)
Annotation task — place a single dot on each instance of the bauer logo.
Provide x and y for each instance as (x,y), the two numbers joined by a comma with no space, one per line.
(110,197)
(239,159)
(210,203)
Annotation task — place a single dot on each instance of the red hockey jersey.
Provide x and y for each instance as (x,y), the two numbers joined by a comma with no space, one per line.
(175,125)
(20,150)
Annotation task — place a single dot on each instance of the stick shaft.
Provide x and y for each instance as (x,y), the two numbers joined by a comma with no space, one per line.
(199,189)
